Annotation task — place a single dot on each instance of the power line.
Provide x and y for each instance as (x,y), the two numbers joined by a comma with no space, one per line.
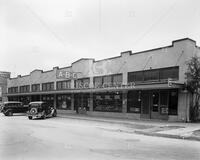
(155,23)
(44,24)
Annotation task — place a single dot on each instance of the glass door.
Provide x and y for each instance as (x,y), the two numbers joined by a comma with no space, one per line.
(155,96)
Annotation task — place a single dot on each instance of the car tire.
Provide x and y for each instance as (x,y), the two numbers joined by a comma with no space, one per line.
(8,113)
(30,117)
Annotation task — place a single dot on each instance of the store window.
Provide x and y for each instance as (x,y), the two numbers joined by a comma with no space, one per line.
(35,87)
(107,81)
(62,85)
(117,80)
(135,76)
(154,75)
(82,83)
(24,89)
(151,75)
(98,82)
(108,102)
(134,101)
(48,86)
(64,101)
(49,99)
(172,73)
(24,99)
(13,98)
(13,90)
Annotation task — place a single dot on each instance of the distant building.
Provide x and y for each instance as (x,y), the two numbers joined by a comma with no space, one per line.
(147,84)
(3,85)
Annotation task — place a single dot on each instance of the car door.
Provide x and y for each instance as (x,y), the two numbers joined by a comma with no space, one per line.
(48,109)
(14,107)
(45,108)
(17,107)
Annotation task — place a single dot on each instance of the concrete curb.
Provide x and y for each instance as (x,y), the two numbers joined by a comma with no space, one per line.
(153,134)
(102,120)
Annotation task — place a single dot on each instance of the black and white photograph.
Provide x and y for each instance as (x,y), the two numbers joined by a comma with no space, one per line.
(99,80)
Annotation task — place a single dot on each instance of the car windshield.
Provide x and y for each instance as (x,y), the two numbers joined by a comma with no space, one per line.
(12,104)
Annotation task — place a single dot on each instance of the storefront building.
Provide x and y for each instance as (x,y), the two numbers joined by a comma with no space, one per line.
(3,85)
(148,84)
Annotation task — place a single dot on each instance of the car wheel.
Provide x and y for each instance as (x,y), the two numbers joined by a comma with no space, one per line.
(9,113)
(30,117)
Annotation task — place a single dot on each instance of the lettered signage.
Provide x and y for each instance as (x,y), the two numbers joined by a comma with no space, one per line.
(67,75)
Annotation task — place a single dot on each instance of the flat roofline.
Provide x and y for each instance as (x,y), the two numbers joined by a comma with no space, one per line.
(129,51)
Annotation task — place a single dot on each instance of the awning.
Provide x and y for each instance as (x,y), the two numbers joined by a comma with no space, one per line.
(148,86)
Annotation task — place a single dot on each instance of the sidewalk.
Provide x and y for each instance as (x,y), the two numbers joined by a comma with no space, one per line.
(189,131)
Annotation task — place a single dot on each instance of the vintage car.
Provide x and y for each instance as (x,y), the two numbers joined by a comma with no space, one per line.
(10,107)
(41,109)
(1,106)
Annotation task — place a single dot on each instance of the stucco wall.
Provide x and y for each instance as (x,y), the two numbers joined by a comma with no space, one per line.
(175,55)
(3,84)
(183,106)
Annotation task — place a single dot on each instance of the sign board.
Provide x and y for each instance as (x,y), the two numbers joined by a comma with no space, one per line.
(164,110)
(66,75)
(170,83)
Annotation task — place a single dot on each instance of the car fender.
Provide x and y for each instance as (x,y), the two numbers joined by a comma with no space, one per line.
(7,111)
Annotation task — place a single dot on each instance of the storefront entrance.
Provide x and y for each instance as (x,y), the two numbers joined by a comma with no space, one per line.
(159,106)
(81,102)
(154,105)
(145,110)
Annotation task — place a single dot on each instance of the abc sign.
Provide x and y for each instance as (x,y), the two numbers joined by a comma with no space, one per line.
(66,75)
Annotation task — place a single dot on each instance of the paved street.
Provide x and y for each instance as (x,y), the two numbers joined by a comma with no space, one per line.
(65,138)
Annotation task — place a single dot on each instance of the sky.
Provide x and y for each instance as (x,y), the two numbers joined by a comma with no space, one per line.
(42,34)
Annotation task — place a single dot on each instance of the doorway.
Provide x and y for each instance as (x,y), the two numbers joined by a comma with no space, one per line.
(81,102)
(145,107)
(154,101)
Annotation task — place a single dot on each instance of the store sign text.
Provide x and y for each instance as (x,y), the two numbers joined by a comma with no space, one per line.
(67,75)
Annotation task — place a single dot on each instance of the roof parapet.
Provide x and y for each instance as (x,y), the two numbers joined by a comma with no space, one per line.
(126,53)
(184,39)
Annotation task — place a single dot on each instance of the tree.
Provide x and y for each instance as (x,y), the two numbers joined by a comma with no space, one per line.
(193,85)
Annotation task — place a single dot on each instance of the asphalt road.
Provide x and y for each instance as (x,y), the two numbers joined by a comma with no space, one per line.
(73,139)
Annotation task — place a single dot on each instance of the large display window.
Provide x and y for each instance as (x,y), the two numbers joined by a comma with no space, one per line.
(108,102)
(48,99)
(64,101)
(134,102)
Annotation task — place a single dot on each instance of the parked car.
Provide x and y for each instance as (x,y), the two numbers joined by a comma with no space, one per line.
(1,106)
(10,107)
(41,109)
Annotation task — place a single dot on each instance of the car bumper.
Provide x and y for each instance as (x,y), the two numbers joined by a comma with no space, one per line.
(38,115)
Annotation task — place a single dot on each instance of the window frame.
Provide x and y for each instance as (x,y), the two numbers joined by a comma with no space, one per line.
(48,86)
(174,71)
